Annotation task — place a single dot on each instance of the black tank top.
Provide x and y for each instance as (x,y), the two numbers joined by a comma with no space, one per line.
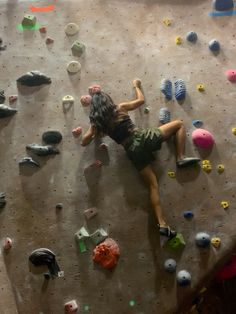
(122,128)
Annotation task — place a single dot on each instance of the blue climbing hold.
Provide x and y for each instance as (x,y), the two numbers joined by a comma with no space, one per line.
(191,36)
(180,90)
(166,88)
(223,5)
(183,278)
(170,265)
(214,45)
(188,214)
(202,239)
(197,123)
(164,115)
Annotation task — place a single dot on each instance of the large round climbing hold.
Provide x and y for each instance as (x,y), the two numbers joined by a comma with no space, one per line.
(202,239)
(231,75)
(223,5)
(202,138)
(214,45)
(191,36)
(170,265)
(73,67)
(52,137)
(183,278)
(71,29)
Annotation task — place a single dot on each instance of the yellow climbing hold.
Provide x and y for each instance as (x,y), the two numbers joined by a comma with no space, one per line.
(206,162)
(234,131)
(171,174)
(220,168)
(207,168)
(167,22)
(178,40)
(200,87)
(224,204)
(216,242)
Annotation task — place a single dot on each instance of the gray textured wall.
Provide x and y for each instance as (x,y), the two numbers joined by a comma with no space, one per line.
(124,40)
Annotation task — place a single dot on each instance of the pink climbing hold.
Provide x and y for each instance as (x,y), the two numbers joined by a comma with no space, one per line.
(77,131)
(94,89)
(49,41)
(231,75)
(227,271)
(7,244)
(103,146)
(71,307)
(202,138)
(107,253)
(86,100)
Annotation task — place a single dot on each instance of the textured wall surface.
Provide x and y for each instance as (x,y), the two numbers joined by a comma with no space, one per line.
(124,40)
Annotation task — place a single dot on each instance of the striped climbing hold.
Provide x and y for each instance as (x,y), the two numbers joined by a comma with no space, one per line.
(180,90)
(166,88)
(164,115)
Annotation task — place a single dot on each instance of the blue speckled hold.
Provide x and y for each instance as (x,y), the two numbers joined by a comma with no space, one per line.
(180,90)
(214,45)
(197,123)
(164,115)
(202,239)
(191,36)
(170,265)
(183,278)
(166,88)
(223,5)
(188,214)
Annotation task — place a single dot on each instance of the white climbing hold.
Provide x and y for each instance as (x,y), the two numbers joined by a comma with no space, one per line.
(73,67)
(71,29)
(68,100)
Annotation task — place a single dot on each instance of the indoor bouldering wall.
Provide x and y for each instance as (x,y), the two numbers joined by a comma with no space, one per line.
(123,40)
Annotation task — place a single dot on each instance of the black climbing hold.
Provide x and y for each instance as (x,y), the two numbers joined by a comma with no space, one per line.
(2,200)
(43,256)
(42,150)
(52,137)
(34,78)
(6,111)
(28,161)
(2,96)
(59,206)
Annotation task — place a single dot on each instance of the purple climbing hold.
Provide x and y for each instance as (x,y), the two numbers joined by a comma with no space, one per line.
(183,278)
(191,36)
(170,265)
(197,123)
(214,45)
(188,214)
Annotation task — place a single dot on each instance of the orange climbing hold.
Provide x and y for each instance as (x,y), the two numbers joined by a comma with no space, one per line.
(107,253)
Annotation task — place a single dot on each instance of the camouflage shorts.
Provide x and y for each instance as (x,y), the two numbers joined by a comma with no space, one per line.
(142,145)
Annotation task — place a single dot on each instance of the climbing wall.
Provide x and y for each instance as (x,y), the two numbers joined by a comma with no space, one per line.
(124,40)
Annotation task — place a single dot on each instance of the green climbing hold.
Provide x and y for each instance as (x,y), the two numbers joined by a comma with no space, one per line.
(82,246)
(29,20)
(176,243)
(132,303)
(78,48)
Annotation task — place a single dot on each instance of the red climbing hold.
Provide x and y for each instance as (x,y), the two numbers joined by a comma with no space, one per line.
(231,75)
(86,100)
(43,30)
(107,253)
(77,131)
(49,41)
(71,307)
(12,98)
(7,244)
(94,89)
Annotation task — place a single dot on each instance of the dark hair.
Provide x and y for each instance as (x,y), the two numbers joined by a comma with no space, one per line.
(102,112)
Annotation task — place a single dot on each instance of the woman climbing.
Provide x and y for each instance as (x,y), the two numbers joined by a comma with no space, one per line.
(106,118)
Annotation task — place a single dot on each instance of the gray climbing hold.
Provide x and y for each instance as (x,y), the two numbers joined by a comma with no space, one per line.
(52,137)
(28,161)
(188,214)
(166,88)
(78,48)
(98,236)
(223,5)
(40,150)
(59,206)
(164,115)
(197,123)
(34,78)
(2,200)
(191,36)
(6,111)
(2,96)
(183,278)
(202,239)
(214,45)
(170,265)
